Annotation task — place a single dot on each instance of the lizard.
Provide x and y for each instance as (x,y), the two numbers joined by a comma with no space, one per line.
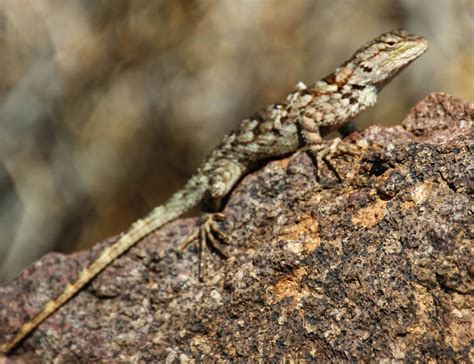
(278,130)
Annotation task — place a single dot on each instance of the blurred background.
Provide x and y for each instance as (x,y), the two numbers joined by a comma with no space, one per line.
(107,107)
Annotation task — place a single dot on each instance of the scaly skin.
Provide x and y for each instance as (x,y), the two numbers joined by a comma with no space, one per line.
(276,131)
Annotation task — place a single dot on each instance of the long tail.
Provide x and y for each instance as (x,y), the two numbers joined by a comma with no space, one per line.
(188,197)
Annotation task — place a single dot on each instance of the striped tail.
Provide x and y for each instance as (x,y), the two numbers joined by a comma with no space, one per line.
(186,198)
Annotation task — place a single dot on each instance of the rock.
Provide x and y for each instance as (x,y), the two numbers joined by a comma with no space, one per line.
(377,265)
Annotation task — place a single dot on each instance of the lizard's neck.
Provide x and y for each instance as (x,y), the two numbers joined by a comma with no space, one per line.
(336,104)
(366,96)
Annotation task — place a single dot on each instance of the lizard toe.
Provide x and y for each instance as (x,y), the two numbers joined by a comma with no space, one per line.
(209,236)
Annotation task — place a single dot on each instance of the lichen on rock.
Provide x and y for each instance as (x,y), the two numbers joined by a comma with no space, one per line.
(377,265)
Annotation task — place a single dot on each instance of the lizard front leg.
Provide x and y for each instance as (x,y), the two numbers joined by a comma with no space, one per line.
(318,148)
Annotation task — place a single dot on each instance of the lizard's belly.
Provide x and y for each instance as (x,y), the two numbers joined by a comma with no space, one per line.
(273,143)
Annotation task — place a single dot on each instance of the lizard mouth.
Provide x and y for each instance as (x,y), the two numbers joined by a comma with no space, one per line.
(402,57)
(409,51)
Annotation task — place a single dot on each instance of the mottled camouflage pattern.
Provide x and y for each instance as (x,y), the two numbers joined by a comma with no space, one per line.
(277,130)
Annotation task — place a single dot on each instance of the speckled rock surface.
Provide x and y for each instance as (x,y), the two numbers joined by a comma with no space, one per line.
(376,266)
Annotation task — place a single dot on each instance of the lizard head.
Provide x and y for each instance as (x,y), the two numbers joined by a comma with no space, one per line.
(381,59)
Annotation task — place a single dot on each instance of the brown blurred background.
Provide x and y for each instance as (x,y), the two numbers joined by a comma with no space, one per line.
(106,107)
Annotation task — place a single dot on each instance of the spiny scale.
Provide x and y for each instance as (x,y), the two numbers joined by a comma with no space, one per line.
(275,131)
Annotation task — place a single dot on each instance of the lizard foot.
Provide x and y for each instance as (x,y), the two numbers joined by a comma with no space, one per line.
(324,153)
(208,235)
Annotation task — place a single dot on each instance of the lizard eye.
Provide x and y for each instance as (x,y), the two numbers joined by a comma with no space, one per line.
(390,42)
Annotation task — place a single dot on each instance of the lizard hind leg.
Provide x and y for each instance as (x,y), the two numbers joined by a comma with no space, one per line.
(208,235)
(224,174)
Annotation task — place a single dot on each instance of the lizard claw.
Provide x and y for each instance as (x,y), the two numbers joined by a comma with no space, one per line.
(324,153)
(208,235)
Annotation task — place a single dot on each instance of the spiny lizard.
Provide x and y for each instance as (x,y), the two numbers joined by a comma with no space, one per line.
(277,130)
